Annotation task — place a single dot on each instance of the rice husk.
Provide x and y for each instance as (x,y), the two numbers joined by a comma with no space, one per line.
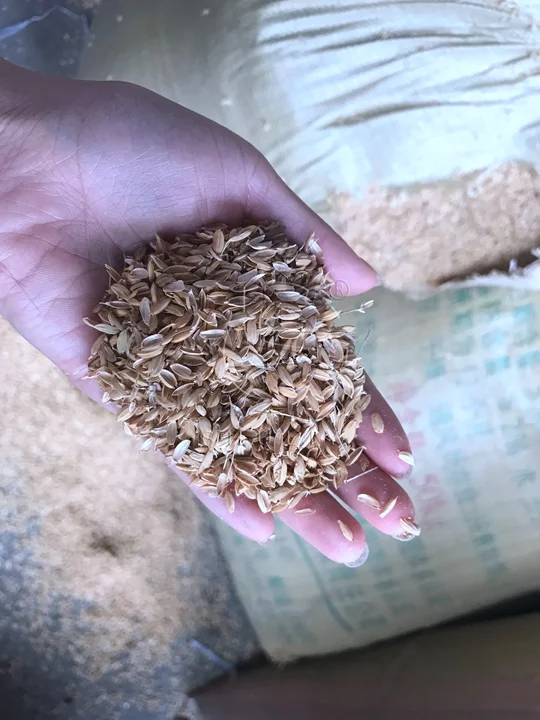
(221,350)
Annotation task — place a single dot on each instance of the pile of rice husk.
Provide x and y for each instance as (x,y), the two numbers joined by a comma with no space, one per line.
(221,350)
(422,237)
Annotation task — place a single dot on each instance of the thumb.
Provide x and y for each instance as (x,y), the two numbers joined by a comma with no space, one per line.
(270,197)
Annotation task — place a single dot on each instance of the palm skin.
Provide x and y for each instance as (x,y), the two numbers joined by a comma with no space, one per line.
(90,170)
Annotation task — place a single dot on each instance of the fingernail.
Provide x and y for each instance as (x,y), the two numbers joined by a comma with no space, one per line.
(410,527)
(404,537)
(407,458)
(272,537)
(361,560)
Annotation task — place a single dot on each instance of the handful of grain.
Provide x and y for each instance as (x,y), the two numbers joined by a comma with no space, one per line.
(221,350)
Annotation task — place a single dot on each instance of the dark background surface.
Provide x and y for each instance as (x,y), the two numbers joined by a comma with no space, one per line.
(46,35)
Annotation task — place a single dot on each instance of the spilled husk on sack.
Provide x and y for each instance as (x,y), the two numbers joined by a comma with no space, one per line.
(221,351)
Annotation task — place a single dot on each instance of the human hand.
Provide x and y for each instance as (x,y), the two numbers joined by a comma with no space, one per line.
(90,170)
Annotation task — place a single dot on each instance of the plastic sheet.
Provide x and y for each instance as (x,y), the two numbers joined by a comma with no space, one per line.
(413,127)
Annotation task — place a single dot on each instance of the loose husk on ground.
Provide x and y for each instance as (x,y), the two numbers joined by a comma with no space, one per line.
(221,351)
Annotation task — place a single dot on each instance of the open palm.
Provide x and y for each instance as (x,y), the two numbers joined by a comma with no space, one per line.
(89,170)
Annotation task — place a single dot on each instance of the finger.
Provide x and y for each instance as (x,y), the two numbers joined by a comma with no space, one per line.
(329,528)
(383,436)
(271,198)
(380,500)
(246,518)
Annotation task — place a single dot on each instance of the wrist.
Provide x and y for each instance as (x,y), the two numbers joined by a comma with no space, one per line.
(28,105)
(25,151)
(15,106)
